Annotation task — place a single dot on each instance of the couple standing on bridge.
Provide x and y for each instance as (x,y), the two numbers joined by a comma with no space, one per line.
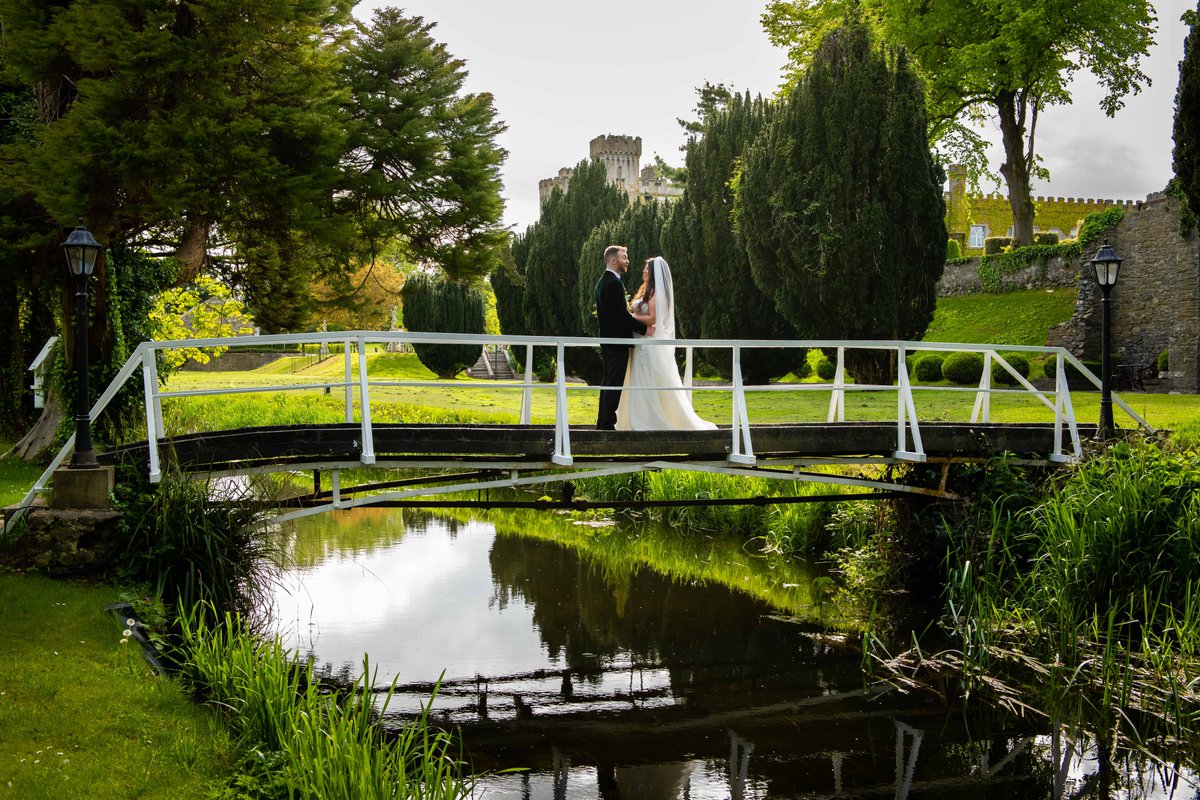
(651,396)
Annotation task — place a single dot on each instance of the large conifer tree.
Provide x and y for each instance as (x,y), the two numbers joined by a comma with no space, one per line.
(552,264)
(1187,117)
(840,202)
(433,304)
(714,287)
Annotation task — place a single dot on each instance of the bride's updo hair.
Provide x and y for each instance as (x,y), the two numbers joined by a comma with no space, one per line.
(646,290)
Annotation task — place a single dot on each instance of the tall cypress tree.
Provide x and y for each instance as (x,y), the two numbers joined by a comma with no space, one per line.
(840,201)
(639,228)
(433,304)
(714,284)
(552,265)
(1187,116)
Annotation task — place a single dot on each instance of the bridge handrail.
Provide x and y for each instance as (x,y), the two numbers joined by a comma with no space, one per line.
(145,355)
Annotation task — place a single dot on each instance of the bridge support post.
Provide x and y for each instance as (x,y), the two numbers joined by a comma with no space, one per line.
(82,488)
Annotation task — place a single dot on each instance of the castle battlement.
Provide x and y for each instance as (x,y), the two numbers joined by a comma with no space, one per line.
(621,157)
(609,145)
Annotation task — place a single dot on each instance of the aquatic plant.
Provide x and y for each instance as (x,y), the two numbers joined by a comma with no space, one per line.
(313,741)
(1086,601)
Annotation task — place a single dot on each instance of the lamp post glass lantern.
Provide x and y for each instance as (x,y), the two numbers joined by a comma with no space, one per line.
(1106,265)
(81,250)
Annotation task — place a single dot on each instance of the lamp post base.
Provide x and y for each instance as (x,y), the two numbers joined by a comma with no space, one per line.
(82,488)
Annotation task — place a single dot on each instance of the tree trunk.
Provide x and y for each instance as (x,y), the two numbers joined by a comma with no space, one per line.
(1016,167)
(193,250)
(875,367)
(40,437)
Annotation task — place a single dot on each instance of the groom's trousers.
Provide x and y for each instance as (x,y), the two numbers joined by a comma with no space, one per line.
(615,359)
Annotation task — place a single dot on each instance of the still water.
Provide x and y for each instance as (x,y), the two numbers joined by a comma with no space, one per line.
(605,681)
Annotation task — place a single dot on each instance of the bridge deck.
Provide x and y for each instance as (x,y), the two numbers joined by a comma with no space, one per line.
(533,445)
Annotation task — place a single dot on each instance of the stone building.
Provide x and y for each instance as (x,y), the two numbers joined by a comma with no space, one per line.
(621,156)
(972,218)
(1155,304)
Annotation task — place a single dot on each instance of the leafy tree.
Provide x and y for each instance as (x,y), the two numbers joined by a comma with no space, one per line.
(840,203)
(1007,60)
(714,284)
(422,159)
(433,304)
(555,242)
(363,300)
(203,309)
(160,125)
(1187,116)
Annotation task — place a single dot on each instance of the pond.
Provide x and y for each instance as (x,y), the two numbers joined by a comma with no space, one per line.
(602,679)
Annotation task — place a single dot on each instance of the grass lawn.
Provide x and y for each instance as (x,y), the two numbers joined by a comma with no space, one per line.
(1016,318)
(82,715)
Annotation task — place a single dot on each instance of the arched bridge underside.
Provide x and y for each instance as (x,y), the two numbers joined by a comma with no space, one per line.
(453,459)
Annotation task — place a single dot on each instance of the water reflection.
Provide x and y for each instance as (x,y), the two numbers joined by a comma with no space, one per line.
(611,681)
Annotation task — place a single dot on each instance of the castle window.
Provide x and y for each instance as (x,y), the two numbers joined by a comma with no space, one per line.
(978,232)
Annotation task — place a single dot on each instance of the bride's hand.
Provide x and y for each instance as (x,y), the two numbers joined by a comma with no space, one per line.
(649,331)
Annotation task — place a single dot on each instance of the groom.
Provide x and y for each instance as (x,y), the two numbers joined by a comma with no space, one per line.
(612,312)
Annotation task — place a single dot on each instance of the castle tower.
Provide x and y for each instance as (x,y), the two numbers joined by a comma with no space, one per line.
(546,185)
(621,156)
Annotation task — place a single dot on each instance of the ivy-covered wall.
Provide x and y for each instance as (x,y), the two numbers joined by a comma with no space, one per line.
(1059,214)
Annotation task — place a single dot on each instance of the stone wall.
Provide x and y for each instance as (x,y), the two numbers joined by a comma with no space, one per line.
(64,542)
(1156,302)
(963,278)
(234,361)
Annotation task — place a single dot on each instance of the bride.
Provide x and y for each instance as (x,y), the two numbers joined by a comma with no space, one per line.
(654,398)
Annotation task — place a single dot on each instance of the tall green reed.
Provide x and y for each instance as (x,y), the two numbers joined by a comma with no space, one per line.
(1088,593)
(321,742)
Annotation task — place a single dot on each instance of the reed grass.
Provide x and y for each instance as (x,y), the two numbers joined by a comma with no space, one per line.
(318,742)
(1087,600)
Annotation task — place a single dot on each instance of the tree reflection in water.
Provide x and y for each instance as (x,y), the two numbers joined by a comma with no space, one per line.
(635,685)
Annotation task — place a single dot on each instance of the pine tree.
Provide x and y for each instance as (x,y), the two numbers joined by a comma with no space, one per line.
(433,304)
(1187,117)
(840,201)
(421,156)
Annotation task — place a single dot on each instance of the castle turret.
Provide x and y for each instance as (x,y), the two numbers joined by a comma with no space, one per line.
(621,156)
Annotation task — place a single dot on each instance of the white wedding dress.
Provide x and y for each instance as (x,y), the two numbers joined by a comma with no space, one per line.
(654,398)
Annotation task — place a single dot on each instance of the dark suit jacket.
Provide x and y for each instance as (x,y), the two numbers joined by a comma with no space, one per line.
(612,311)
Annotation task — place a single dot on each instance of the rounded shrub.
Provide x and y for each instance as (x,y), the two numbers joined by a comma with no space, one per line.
(1002,376)
(1045,237)
(963,368)
(929,368)
(804,370)
(1163,362)
(826,369)
(953,249)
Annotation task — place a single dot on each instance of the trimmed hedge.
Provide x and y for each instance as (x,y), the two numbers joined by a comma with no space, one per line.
(929,368)
(1046,237)
(963,368)
(996,244)
(953,249)
(1002,376)
(826,369)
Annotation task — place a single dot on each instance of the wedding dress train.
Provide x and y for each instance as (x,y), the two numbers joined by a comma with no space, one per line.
(654,398)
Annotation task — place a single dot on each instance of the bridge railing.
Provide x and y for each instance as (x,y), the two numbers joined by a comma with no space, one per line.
(357,382)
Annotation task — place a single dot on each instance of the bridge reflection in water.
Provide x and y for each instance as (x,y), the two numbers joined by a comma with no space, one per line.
(607,679)
(520,453)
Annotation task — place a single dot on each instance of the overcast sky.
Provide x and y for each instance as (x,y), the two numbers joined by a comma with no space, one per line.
(563,73)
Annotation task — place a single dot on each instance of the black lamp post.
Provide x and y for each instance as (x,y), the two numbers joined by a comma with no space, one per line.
(1106,264)
(81,249)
